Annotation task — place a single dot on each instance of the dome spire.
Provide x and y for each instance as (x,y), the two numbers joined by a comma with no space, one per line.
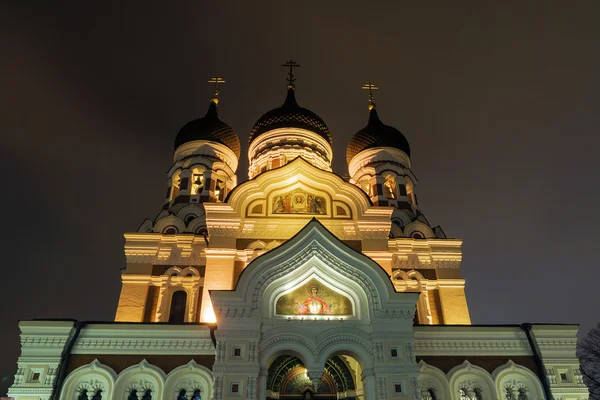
(370,87)
(291,64)
(215,96)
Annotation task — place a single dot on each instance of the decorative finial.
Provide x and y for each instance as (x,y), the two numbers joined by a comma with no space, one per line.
(216,80)
(291,64)
(370,87)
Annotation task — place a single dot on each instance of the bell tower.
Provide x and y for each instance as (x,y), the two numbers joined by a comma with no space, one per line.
(205,159)
(167,274)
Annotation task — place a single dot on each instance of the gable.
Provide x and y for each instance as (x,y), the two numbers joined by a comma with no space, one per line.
(278,203)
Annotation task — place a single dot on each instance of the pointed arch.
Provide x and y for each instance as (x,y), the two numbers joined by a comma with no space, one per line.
(140,377)
(433,379)
(91,377)
(191,377)
(517,380)
(471,378)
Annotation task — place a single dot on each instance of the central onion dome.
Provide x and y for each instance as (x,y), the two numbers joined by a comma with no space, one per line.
(288,132)
(290,115)
(376,134)
(209,128)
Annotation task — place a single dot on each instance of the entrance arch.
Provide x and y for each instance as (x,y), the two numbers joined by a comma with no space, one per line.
(288,380)
(338,305)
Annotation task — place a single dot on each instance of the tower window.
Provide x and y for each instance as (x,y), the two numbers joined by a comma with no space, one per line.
(177,312)
(197,182)
(220,190)
(397,387)
(389,188)
(394,352)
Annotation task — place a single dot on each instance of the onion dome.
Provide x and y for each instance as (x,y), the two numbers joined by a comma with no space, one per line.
(376,134)
(290,115)
(209,128)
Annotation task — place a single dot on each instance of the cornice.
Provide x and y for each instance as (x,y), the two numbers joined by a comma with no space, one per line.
(470,341)
(144,339)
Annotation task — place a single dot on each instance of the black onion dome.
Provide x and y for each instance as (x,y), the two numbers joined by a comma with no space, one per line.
(376,134)
(211,128)
(290,115)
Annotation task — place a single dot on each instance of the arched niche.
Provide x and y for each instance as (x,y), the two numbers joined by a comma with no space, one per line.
(91,377)
(141,377)
(299,199)
(517,380)
(433,382)
(471,380)
(313,297)
(190,378)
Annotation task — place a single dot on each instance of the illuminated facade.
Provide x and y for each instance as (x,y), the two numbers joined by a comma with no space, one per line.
(294,284)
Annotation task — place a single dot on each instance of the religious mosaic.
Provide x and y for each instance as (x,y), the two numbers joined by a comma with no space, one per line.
(299,202)
(313,298)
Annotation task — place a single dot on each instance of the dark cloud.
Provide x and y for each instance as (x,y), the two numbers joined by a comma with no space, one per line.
(499,103)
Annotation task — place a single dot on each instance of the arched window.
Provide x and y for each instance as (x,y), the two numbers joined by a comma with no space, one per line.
(177,313)
(522,393)
(428,394)
(220,190)
(196,395)
(182,395)
(132,395)
(409,193)
(170,230)
(389,188)
(83,395)
(365,185)
(197,181)
(147,395)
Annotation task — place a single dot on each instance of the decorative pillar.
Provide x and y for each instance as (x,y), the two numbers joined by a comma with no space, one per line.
(315,375)
(220,268)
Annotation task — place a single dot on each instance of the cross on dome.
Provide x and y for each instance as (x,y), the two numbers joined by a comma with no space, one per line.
(291,64)
(216,80)
(370,87)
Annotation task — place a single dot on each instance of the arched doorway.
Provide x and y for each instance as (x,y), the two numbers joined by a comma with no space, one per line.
(288,380)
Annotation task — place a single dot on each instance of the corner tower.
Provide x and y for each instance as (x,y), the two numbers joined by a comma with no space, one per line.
(205,159)
(287,132)
(165,279)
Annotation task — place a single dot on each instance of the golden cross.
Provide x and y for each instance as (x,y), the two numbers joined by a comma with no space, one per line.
(292,64)
(216,80)
(370,87)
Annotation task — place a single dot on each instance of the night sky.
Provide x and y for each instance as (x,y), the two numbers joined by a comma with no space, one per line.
(499,103)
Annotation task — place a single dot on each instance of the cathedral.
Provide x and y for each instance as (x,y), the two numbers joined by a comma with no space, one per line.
(296,283)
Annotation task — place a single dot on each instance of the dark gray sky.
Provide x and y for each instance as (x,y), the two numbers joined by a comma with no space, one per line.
(498,101)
